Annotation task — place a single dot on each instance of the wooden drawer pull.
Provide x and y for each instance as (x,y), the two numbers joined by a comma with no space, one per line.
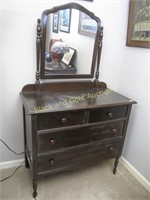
(109,114)
(114,130)
(64,120)
(110,148)
(51,161)
(52,142)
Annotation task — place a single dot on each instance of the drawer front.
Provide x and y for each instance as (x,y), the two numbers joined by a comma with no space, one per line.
(78,157)
(56,120)
(108,113)
(78,136)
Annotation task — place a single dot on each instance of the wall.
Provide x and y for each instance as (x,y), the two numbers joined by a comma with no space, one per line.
(125,69)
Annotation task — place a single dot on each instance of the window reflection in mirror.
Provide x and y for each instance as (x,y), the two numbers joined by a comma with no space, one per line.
(70,37)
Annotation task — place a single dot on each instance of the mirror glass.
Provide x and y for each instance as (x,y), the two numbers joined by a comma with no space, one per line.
(69,44)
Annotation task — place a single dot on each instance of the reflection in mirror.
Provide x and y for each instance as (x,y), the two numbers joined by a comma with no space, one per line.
(70,38)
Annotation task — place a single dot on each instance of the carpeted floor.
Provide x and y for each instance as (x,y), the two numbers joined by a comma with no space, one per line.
(93,183)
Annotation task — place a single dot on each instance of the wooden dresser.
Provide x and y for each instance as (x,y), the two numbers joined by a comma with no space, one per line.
(76,122)
(68,130)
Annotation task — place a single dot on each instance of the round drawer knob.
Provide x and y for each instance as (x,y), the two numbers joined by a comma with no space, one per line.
(114,130)
(64,120)
(110,148)
(52,141)
(51,161)
(109,114)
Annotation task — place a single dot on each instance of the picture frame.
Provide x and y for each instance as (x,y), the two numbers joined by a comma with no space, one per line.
(68,56)
(55,22)
(65,20)
(87,26)
(138,32)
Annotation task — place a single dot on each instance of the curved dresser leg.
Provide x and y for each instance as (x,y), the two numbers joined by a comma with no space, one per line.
(115,165)
(35,189)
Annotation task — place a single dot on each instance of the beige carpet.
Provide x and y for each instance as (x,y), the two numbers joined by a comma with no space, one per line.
(93,183)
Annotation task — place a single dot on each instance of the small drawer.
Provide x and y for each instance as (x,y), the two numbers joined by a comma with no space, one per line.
(77,136)
(62,119)
(109,113)
(78,157)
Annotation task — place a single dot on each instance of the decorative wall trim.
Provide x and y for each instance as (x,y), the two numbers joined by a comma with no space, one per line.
(135,173)
(9,164)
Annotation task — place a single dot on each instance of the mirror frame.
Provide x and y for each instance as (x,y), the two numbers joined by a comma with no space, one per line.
(41,41)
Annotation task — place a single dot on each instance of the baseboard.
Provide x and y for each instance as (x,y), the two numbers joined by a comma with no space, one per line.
(135,173)
(9,164)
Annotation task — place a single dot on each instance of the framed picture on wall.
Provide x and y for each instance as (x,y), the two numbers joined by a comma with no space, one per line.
(55,22)
(138,34)
(87,26)
(65,20)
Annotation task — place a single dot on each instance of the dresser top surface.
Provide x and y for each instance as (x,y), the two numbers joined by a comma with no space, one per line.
(45,102)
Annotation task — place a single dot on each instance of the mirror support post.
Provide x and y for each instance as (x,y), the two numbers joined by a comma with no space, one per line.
(100,38)
(38,51)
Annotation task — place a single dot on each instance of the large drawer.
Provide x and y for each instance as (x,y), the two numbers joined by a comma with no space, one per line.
(62,119)
(77,157)
(77,136)
(109,113)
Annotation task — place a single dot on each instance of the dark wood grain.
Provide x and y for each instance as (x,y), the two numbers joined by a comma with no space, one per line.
(76,157)
(55,140)
(61,119)
(64,86)
(72,135)
(108,113)
(71,124)
(57,93)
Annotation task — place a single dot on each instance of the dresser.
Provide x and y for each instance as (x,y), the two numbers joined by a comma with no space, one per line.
(71,119)
(71,130)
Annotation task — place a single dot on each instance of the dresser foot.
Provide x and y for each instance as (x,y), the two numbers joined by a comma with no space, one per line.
(35,189)
(26,162)
(115,165)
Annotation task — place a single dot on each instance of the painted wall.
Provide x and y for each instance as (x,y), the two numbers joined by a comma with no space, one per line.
(124,69)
